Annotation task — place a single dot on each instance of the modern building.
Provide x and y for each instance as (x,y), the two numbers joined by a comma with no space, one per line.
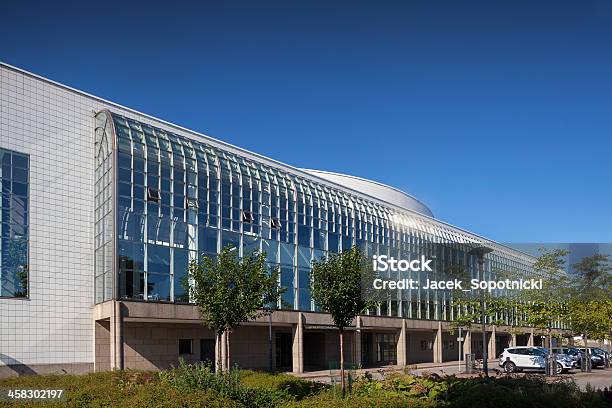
(103,207)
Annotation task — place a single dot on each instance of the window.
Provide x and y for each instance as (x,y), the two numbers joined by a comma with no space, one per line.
(426,345)
(247,217)
(14,176)
(153,195)
(185,346)
(276,224)
(386,348)
(191,203)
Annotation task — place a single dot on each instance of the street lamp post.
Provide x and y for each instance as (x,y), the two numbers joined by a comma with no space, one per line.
(480,253)
(270,361)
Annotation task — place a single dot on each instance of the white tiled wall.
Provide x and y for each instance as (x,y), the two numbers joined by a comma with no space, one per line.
(55,126)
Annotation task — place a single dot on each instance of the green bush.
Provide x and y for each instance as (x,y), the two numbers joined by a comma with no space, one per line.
(330,399)
(128,389)
(188,377)
(510,392)
(197,386)
(523,391)
(296,387)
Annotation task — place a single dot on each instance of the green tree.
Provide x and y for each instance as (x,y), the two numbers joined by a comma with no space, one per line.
(593,277)
(590,307)
(228,291)
(548,305)
(336,288)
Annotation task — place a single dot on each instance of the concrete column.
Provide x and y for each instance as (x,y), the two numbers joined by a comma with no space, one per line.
(437,351)
(357,342)
(530,338)
(298,345)
(491,346)
(513,340)
(402,347)
(116,337)
(467,343)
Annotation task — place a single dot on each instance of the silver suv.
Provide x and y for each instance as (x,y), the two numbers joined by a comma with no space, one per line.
(531,358)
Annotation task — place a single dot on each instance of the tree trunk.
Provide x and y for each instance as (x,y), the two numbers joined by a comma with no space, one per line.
(219,363)
(549,340)
(343,382)
(586,353)
(551,362)
(227,352)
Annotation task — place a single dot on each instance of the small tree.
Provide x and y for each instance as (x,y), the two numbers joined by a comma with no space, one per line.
(546,306)
(590,307)
(228,291)
(336,288)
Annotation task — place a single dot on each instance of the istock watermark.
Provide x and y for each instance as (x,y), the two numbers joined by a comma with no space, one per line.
(383,263)
(456,284)
(387,276)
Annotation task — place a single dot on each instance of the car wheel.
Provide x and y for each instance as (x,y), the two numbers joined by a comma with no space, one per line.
(558,368)
(510,367)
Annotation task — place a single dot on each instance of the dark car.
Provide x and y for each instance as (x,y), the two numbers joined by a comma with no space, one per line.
(597,360)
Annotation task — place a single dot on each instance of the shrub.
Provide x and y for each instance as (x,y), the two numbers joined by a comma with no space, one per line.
(114,389)
(189,377)
(294,386)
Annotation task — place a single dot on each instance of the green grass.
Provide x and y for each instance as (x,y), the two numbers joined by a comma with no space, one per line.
(118,389)
(197,386)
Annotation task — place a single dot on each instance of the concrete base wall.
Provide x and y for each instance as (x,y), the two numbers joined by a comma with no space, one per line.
(154,346)
(250,347)
(102,360)
(450,347)
(416,354)
(308,341)
(15,370)
(322,348)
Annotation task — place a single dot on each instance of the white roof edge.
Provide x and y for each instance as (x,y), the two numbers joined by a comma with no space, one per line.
(373,182)
(249,153)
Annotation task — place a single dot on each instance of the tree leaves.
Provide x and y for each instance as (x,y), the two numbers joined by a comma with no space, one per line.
(336,286)
(229,290)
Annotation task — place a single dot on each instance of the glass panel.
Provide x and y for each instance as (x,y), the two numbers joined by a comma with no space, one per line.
(158,259)
(287,300)
(14,177)
(158,286)
(181,265)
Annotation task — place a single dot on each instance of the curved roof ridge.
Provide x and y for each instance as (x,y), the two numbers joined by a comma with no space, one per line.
(369,181)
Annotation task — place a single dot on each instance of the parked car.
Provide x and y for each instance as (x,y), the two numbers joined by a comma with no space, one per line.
(600,352)
(531,358)
(571,352)
(597,360)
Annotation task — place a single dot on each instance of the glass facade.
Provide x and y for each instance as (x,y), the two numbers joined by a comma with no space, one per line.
(14,177)
(103,209)
(178,198)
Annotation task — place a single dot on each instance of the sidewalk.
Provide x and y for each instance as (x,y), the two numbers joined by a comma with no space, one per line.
(449,367)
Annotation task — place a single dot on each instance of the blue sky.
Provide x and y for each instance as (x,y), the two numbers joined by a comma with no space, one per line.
(497,114)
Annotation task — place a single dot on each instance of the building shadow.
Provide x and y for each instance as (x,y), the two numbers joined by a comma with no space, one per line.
(16,366)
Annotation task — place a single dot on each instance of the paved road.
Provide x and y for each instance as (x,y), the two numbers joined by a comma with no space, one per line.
(598,378)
